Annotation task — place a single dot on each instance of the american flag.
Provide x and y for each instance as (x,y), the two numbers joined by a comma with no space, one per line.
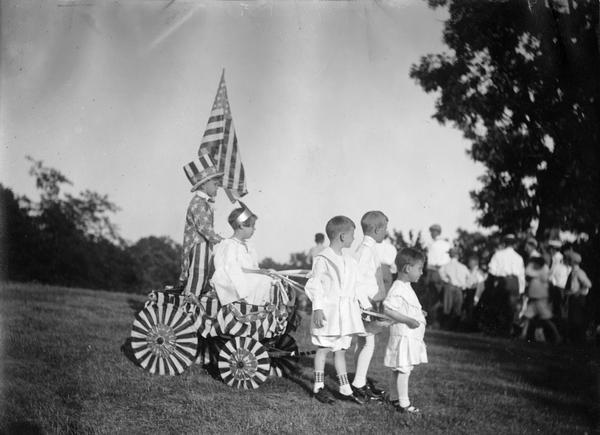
(220,143)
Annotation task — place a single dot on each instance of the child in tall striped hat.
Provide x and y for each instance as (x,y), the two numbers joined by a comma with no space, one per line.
(199,235)
(336,314)
(233,258)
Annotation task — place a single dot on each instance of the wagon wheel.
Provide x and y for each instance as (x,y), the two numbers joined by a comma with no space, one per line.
(163,339)
(284,354)
(243,363)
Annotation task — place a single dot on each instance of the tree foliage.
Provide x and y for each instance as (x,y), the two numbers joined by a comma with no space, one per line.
(70,240)
(522,81)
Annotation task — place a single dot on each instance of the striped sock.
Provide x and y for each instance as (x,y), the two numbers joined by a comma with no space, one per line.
(319,381)
(344,384)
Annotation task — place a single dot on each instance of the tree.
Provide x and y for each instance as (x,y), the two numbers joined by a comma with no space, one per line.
(158,261)
(522,81)
(399,241)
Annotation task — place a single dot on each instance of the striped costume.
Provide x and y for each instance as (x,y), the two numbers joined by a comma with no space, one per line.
(198,240)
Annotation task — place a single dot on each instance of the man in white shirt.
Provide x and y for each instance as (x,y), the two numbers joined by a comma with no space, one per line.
(505,286)
(437,256)
(455,276)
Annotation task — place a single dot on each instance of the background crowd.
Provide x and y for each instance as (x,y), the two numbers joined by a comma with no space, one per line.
(512,286)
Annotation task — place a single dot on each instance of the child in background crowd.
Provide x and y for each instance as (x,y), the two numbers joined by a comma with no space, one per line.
(475,287)
(319,246)
(336,313)
(538,310)
(406,347)
(371,291)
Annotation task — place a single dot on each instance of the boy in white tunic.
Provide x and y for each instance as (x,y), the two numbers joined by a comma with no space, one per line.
(336,313)
(371,291)
(232,257)
(406,347)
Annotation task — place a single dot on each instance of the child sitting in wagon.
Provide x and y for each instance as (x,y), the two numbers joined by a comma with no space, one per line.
(233,257)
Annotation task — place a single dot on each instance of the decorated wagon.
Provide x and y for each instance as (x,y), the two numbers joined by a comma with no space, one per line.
(246,343)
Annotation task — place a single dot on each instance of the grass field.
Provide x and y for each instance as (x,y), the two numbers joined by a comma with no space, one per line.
(64,371)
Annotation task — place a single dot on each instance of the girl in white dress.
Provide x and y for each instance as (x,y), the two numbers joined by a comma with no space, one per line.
(406,347)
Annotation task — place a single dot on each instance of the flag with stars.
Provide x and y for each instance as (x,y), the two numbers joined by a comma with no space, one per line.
(220,143)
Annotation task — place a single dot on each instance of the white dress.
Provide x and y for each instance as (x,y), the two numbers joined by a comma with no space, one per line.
(231,282)
(405,347)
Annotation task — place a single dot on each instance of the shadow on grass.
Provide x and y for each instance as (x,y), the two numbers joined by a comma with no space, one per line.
(135,305)
(127,350)
(564,378)
(23,428)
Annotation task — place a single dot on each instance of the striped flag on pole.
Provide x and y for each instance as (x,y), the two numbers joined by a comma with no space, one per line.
(220,143)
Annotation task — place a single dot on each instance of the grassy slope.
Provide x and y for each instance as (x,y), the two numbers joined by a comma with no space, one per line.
(64,371)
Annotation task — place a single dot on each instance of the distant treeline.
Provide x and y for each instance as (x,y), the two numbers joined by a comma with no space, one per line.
(70,240)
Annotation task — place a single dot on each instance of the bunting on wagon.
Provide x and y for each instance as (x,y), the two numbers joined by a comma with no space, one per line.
(220,143)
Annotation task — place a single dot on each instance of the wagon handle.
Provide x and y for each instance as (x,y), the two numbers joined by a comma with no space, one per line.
(276,274)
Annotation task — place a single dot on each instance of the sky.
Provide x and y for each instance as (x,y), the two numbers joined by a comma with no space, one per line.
(116,95)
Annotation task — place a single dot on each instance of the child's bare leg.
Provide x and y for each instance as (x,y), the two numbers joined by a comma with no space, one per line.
(339,360)
(363,352)
(320,358)
(393,386)
(525,329)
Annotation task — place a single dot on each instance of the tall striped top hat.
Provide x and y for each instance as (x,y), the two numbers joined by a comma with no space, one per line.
(201,171)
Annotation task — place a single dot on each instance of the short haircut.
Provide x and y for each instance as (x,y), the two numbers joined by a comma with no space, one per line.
(408,256)
(338,225)
(319,237)
(509,240)
(372,220)
(232,219)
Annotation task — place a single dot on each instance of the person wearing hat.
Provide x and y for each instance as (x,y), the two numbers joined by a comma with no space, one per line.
(233,260)
(199,235)
(531,248)
(577,287)
(437,256)
(504,288)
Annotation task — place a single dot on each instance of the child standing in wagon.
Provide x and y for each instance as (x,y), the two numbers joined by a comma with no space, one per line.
(336,313)
(406,347)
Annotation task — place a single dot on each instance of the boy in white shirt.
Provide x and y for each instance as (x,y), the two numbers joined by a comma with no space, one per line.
(336,314)
(371,291)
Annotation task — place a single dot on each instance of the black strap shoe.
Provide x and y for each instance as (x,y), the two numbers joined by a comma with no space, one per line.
(376,391)
(351,398)
(366,393)
(323,396)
